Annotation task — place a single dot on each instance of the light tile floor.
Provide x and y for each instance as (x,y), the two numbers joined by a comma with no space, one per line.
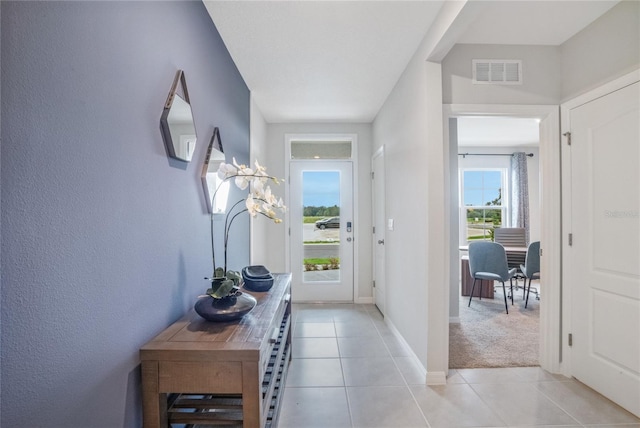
(349,370)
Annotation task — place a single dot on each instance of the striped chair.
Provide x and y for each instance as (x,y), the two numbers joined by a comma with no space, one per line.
(513,237)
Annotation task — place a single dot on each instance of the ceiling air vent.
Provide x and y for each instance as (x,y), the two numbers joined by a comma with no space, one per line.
(497,71)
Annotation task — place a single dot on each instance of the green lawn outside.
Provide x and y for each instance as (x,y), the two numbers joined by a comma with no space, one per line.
(307,220)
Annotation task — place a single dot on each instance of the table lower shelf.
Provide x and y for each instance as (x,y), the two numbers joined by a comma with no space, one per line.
(226,410)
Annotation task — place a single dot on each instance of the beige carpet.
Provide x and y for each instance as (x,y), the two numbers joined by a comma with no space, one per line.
(488,337)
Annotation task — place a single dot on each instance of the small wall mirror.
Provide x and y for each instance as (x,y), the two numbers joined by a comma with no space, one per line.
(216,191)
(178,127)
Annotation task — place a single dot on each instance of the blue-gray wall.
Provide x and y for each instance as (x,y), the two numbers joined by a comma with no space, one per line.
(105,241)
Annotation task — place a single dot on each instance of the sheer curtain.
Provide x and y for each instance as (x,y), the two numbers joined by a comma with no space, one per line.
(520,192)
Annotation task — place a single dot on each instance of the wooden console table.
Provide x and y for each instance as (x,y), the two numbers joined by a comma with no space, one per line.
(228,374)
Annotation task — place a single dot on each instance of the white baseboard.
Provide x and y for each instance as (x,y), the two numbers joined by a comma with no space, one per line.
(412,355)
(431,378)
(436,378)
(364,301)
(454,320)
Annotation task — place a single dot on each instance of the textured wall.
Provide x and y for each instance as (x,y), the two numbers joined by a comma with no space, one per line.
(104,240)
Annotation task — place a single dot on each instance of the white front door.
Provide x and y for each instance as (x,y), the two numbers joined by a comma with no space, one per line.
(322,231)
(605,252)
(378,200)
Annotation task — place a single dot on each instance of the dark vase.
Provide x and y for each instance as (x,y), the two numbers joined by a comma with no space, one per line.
(228,308)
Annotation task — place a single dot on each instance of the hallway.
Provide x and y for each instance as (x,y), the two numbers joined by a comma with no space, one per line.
(349,370)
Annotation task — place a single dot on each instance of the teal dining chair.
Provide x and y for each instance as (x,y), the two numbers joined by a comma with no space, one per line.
(488,261)
(531,267)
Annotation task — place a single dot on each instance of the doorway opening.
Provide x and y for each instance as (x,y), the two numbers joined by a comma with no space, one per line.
(483,336)
(545,221)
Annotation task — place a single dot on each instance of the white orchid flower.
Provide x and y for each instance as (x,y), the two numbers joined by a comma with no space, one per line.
(268,196)
(226,170)
(244,178)
(240,167)
(258,188)
(260,170)
(252,207)
(242,182)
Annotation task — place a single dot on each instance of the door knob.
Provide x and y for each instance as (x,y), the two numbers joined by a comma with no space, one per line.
(381,241)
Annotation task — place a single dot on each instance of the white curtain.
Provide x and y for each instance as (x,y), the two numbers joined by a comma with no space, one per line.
(520,192)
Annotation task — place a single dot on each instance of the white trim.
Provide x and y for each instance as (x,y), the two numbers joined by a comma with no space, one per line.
(607,88)
(565,114)
(288,138)
(454,320)
(436,378)
(379,152)
(550,212)
(407,348)
(363,300)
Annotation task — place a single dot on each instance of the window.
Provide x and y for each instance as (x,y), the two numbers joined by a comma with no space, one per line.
(321,150)
(483,204)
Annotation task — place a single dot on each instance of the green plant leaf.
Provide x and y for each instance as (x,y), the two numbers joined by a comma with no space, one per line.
(223,290)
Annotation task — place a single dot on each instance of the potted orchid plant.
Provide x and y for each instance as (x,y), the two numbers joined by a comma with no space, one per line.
(259,201)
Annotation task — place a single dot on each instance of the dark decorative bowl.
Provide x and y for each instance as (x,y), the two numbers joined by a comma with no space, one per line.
(257,272)
(257,283)
(228,308)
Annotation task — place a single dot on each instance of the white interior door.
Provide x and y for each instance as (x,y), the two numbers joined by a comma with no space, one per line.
(605,252)
(378,200)
(321,251)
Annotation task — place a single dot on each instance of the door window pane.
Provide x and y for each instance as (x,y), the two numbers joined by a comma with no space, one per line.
(321,225)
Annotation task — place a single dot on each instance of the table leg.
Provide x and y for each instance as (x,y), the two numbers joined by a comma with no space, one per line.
(251,396)
(154,404)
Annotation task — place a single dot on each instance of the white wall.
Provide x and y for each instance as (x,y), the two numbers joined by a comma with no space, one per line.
(400,127)
(257,152)
(273,252)
(540,75)
(410,127)
(607,49)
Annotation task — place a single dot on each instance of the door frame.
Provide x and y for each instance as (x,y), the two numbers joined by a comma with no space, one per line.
(551,315)
(311,137)
(565,108)
(380,152)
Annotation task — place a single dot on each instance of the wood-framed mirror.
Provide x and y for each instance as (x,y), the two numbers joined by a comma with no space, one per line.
(216,190)
(177,124)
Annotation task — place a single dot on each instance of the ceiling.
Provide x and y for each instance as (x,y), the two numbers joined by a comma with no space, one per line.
(337,61)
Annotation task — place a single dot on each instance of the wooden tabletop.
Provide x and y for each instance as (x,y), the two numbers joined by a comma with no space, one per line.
(507,249)
(198,339)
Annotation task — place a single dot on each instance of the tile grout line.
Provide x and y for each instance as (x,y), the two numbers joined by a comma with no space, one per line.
(536,387)
(344,380)
(406,384)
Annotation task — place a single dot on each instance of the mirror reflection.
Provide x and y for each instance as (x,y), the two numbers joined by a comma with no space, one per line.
(216,191)
(178,127)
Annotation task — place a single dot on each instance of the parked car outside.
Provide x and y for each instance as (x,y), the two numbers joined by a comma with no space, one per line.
(333,222)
